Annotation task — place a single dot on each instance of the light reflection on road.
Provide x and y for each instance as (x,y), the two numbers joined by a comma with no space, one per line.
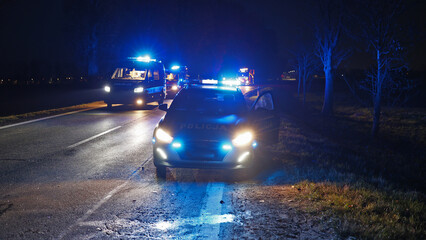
(194,221)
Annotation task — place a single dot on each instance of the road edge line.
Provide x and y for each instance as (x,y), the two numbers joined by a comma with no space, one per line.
(93,137)
(102,201)
(45,118)
(212,206)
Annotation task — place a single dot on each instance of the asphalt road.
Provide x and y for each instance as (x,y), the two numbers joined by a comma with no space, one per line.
(90,175)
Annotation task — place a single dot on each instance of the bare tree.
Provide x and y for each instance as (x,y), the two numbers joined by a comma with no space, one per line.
(379,29)
(306,65)
(329,29)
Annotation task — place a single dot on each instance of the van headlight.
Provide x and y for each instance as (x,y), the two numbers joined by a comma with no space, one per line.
(138,90)
(107,89)
(243,139)
(163,136)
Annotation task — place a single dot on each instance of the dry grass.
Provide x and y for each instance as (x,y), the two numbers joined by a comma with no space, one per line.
(375,189)
(366,212)
(398,154)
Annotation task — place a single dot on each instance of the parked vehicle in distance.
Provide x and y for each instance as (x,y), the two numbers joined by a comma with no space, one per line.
(138,81)
(176,78)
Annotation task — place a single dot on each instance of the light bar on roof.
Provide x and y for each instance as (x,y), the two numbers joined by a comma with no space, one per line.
(231,82)
(146,58)
(209,81)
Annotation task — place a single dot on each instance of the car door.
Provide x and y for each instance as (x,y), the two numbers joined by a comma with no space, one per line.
(266,120)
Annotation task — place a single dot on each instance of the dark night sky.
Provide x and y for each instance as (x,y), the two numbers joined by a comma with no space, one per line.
(208,36)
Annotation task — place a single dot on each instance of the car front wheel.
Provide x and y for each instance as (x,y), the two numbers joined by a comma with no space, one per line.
(161,172)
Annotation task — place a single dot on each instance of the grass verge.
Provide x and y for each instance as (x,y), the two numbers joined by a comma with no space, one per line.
(366,212)
(373,189)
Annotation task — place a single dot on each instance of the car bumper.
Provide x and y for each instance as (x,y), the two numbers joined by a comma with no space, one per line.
(237,158)
(130,97)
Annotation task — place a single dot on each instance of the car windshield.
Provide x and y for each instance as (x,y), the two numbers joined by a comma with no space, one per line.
(209,101)
(129,74)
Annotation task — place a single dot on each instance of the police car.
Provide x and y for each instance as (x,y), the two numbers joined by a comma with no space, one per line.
(210,126)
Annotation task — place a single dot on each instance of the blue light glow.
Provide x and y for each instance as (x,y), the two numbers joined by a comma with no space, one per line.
(175,67)
(145,58)
(232,118)
(231,82)
(176,145)
(227,147)
(229,88)
(209,81)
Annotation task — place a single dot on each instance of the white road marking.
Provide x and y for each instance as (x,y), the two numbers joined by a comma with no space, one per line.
(95,207)
(45,118)
(211,207)
(91,138)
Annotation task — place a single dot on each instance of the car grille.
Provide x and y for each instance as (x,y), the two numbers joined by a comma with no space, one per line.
(202,151)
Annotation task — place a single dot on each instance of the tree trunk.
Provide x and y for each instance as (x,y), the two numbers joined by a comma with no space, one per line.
(304,87)
(327,107)
(376,114)
(300,79)
(377,98)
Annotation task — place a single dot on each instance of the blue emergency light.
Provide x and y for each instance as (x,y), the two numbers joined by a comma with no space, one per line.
(145,58)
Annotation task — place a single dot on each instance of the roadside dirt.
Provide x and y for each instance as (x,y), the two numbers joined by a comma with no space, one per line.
(273,212)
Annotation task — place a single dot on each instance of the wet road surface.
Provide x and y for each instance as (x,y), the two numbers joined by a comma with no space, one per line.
(90,175)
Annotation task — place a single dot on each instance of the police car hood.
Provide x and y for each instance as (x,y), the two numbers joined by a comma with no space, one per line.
(197,126)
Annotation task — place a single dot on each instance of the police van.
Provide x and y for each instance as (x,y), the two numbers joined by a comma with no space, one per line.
(177,77)
(211,126)
(137,81)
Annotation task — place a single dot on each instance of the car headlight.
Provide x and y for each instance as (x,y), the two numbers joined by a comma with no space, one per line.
(174,88)
(107,89)
(163,136)
(138,90)
(243,139)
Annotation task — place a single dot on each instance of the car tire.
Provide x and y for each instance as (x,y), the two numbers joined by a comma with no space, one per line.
(161,172)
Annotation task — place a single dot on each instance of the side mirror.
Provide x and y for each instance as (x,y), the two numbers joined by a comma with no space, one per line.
(163,107)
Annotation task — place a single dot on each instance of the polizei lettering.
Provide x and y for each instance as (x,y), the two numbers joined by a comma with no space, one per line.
(206,126)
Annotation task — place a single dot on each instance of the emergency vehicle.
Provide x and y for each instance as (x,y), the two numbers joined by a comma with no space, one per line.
(137,81)
(246,76)
(211,126)
(177,77)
